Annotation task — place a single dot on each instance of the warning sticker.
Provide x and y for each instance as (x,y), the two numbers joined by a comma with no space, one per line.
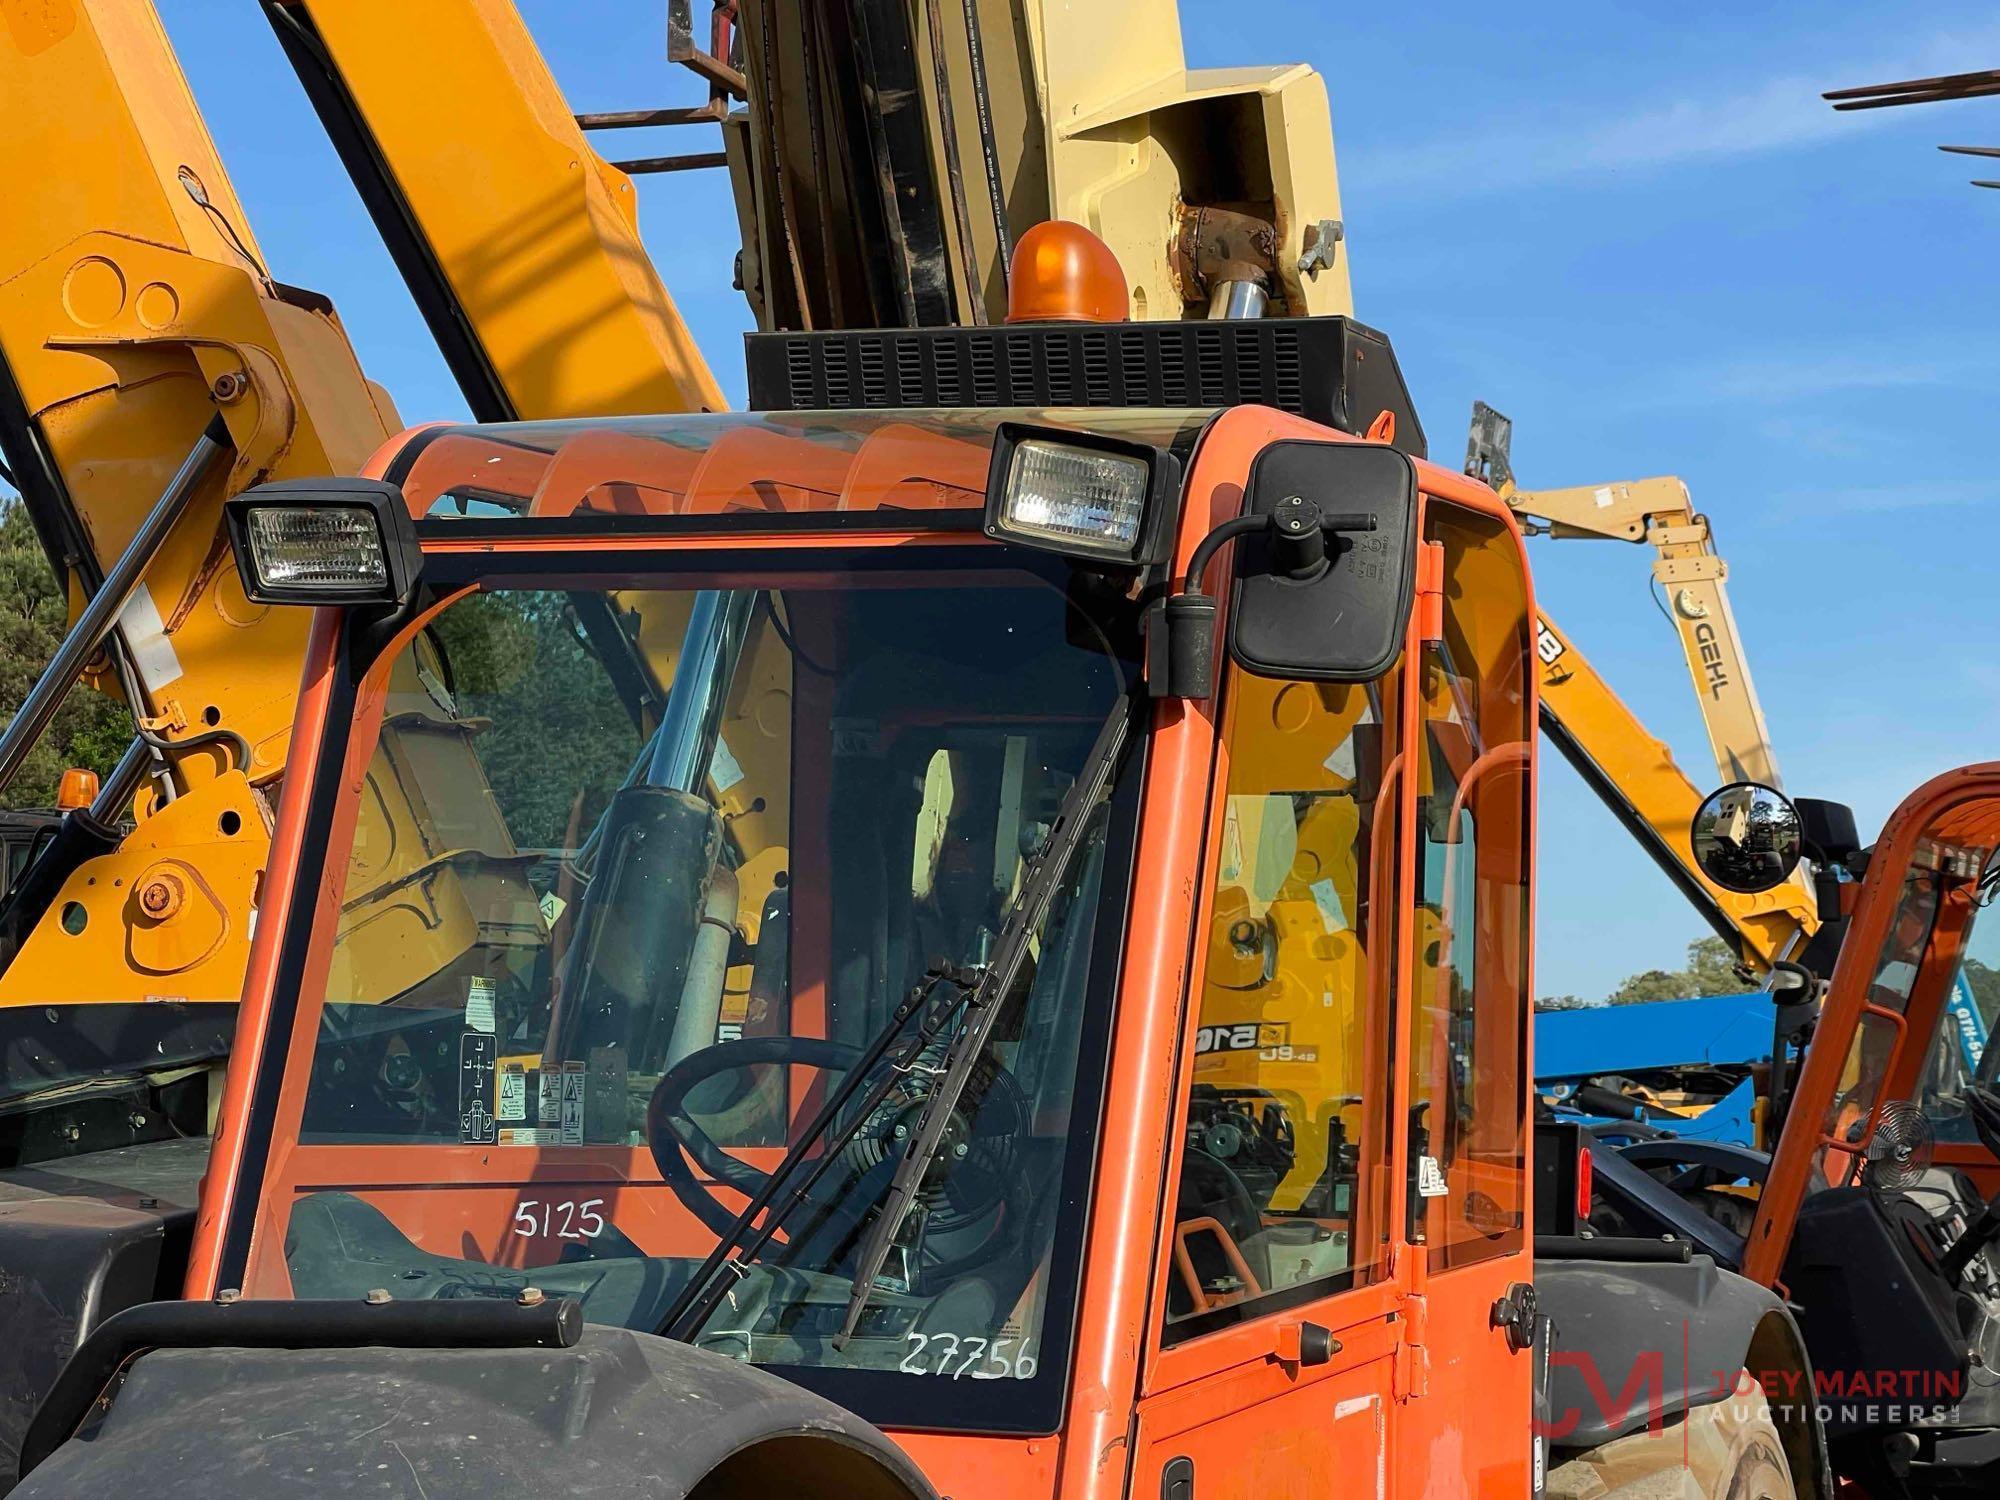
(479,1005)
(1326,897)
(724,770)
(548,1095)
(1430,1178)
(528,1135)
(513,1092)
(572,1104)
(477,1053)
(553,906)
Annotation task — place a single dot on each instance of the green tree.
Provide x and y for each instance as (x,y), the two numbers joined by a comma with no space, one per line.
(1710,970)
(90,730)
(553,727)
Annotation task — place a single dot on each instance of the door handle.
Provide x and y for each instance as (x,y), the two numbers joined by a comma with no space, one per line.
(1304,1344)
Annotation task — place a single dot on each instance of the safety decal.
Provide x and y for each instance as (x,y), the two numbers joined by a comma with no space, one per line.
(479,1014)
(572,1104)
(1430,1178)
(513,1093)
(478,1052)
(530,1136)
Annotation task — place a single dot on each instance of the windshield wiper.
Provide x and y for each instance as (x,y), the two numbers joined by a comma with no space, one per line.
(690,1310)
(1023,919)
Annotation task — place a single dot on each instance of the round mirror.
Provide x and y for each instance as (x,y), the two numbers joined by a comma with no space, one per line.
(1746,837)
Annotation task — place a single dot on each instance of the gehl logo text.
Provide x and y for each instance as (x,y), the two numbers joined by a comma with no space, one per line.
(1711,658)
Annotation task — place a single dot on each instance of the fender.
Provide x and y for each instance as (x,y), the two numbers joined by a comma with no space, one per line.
(619,1414)
(1609,1374)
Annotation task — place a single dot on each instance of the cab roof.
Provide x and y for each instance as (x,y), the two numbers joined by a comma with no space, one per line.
(742,464)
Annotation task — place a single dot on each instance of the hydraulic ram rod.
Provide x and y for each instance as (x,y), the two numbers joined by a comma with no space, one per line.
(100,615)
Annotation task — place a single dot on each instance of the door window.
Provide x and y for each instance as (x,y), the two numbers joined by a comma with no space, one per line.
(1961,1054)
(1279,1197)
(1467,1052)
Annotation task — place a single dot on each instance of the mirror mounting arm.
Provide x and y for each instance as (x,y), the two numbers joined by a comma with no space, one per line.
(1181,627)
(1298,530)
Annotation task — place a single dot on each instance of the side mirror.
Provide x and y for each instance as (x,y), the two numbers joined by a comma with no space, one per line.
(1340,615)
(1746,838)
(1325,573)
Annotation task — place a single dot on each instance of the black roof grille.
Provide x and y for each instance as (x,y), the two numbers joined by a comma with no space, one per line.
(985,373)
(1132,361)
(874,373)
(1096,367)
(909,366)
(838,392)
(1331,370)
(1287,389)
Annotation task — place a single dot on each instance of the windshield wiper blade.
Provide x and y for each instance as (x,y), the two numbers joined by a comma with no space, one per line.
(692,1308)
(1045,872)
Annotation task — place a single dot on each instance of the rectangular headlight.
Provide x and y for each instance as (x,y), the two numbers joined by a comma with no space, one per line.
(323,541)
(1079,494)
(335,548)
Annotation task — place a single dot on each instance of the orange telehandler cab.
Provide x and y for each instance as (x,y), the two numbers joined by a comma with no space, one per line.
(1878,1210)
(832,1096)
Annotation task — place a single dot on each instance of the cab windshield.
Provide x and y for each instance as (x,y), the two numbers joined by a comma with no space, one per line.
(638,873)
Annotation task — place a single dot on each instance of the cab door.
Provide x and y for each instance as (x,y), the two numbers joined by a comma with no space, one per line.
(1273,1338)
(1467,1421)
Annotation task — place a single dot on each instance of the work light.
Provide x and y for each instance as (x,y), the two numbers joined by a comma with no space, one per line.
(1079,494)
(324,541)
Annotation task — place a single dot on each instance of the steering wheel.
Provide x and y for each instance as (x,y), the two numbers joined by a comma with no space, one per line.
(977,1172)
(670,1130)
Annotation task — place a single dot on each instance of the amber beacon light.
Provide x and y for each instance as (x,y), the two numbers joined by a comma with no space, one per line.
(1062,273)
(78,788)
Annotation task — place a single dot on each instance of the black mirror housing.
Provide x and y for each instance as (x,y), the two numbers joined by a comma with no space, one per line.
(1344,619)
(1745,837)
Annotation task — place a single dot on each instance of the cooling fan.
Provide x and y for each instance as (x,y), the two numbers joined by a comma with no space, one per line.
(1899,1152)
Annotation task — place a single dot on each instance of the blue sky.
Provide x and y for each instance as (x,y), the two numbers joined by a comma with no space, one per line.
(1634,228)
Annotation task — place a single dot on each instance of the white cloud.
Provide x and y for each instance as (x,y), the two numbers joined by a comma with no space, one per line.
(1735,119)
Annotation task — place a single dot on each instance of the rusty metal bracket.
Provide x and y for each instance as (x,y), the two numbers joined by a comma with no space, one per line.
(714,63)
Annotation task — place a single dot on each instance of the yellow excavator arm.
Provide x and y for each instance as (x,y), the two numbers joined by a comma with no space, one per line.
(1629,769)
(518,241)
(135,308)
(141,336)
(1635,775)
(153,367)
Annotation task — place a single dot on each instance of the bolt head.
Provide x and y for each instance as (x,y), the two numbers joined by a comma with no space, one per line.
(161,894)
(377,1296)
